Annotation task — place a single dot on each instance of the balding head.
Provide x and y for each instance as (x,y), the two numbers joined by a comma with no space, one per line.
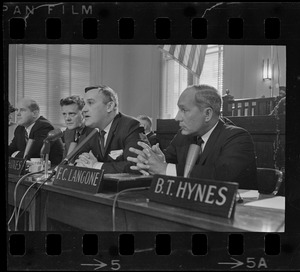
(199,109)
(206,96)
(28,111)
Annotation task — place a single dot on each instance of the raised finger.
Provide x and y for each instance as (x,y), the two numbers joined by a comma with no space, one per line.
(142,166)
(143,145)
(144,173)
(132,159)
(136,151)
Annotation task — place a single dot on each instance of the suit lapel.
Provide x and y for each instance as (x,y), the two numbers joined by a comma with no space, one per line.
(35,126)
(211,143)
(111,132)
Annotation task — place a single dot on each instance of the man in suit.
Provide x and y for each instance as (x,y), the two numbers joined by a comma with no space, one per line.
(227,150)
(109,149)
(11,125)
(71,108)
(146,122)
(33,126)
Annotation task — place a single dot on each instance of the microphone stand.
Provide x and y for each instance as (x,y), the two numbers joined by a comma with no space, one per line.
(45,154)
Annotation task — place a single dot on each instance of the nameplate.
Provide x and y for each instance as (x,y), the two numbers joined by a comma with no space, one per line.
(203,195)
(78,178)
(16,166)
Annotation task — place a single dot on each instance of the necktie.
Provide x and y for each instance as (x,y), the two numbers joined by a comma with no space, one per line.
(101,139)
(77,135)
(26,136)
(199,142)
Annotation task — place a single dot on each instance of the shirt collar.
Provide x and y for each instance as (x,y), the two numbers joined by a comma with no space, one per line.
(80,129)
(107,129)
(206,136)
(28,129)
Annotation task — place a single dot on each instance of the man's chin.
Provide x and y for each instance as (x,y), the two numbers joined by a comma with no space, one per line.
(184,132)
(88,124)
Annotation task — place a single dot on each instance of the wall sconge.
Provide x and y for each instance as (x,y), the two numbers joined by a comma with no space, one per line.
(267,72)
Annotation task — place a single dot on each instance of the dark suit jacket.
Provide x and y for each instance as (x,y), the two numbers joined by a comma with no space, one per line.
(38,133)
(125,132)
(152,138)
(69,136)
(228,156)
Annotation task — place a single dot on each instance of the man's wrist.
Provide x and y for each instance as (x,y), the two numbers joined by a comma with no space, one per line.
(97,165)
(171,169)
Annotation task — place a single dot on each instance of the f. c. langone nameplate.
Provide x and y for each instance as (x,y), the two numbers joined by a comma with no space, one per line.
(78,178)
(203,195)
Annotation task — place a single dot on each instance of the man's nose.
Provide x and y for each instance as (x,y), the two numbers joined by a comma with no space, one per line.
(84,110)
(178,116)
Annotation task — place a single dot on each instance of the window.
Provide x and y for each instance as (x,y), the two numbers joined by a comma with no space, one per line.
(47,73)
(176,78)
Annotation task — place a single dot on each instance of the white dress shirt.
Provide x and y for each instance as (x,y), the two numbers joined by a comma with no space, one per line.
(98,165)
(171,167)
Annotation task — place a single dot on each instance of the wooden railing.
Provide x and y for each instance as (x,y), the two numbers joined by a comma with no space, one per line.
(247,106)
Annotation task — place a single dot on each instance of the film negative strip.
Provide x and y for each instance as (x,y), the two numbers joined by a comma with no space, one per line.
(63,230)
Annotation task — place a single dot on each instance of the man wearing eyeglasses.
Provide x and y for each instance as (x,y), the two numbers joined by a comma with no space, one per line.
(226,151)
(109,149)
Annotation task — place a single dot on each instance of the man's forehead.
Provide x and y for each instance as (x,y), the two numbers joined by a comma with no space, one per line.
(187,97)
(73,106)
(93,94)
(23,103)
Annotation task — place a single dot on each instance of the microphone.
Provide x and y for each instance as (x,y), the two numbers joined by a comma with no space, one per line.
(74,152)
(54,135)
(191,159)
(45,148)
(72,146)
(28,148)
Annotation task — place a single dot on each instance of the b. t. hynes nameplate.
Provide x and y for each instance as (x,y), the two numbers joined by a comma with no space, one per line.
(16,166)
(203,195)
(78,178)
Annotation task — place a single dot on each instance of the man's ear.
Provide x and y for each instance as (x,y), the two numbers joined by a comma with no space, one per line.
(208,112)
(110,106)
(36,114)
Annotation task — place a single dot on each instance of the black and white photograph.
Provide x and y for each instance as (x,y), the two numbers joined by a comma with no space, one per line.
(153,103)
(151,130)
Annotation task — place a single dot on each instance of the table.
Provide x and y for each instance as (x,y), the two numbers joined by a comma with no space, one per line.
(32,218)
(59,207)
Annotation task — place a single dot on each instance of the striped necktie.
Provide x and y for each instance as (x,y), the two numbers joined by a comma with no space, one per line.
(77,136)
(101,140)
(26,136)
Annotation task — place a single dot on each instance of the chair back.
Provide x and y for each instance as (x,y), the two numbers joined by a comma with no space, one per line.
(269,180)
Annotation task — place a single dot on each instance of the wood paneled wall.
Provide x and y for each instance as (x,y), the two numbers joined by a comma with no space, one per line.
(268,133)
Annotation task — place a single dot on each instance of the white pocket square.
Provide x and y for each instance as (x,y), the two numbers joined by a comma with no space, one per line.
(115,153)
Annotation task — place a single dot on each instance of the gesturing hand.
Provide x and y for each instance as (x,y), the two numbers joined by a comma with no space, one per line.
(86,160)
(149,160)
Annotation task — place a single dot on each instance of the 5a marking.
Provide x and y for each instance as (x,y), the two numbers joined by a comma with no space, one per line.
(251,263)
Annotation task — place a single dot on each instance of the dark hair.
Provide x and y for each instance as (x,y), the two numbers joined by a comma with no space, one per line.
(208,96)
(33,106)
(11,109)
(74,99)
(145,118)
(108,93)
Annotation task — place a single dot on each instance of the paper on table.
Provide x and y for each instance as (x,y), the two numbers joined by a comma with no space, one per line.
(250,194)
(277,202)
